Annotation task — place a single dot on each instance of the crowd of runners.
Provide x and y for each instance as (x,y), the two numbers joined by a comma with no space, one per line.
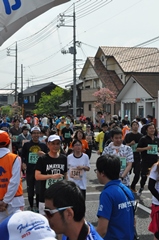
(51,152)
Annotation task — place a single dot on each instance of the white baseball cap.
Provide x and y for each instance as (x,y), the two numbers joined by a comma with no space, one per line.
(26,225)
(54,137)
(35,129)
(25,121)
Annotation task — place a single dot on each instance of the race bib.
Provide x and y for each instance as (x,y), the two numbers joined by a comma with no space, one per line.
(67,135)
(154,149)
(14,138)
(51,181)
(134,146)
(123,163)
(76,173)
(33,158)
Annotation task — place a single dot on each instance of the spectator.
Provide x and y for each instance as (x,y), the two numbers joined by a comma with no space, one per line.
(66,200)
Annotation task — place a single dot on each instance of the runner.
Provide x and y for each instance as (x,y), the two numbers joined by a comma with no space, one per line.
(29,157)
(50,168)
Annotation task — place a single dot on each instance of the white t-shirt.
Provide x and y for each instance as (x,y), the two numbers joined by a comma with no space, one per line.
(75,175)
(155,176)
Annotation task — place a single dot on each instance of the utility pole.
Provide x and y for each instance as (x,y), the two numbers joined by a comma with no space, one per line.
(74,65)
(16,67)
(16,72)
(73,51)
(22,90)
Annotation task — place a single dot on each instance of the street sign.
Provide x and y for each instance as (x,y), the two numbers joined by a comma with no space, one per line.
(16,13)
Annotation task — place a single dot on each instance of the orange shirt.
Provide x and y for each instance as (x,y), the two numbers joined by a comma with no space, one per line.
(125,130)
(84,145)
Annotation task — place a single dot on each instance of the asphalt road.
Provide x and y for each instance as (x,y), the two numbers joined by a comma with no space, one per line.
(93,192)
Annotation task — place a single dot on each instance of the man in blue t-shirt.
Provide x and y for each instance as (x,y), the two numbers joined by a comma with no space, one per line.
(116,204)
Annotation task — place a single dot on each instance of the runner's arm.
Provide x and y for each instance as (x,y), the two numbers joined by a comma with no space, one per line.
(39,176)
(102,226)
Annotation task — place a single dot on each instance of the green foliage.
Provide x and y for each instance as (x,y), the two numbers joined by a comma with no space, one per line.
(50,103)
(6,110)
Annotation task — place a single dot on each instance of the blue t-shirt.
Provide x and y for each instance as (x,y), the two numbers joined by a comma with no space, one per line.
(116,207)
(93,235)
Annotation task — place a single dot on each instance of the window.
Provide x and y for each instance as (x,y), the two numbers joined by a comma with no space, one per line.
(96,83)
(89,107)
(108,108)
(31,99)
(3,98)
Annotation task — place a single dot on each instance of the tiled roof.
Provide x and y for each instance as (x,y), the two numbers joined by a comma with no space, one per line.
(150,82)
(36,88)
(134,59)
(109,78)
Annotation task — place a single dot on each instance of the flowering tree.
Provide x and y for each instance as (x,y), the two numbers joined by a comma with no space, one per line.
(104,96)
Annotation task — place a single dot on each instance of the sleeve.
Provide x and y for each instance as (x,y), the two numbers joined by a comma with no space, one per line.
(126,139)
(129,155)
(14,181)
(154,173)
(39,165)
(105,206)
(152,182)
(141,143)
(105,151)
(65,169)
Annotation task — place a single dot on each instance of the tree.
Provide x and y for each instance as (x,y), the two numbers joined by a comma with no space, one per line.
(49,103)
(104,96)
(10,110)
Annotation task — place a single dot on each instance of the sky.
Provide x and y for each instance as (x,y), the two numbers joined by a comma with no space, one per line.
(123,23)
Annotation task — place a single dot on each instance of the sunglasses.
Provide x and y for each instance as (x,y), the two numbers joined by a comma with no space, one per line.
(49,213)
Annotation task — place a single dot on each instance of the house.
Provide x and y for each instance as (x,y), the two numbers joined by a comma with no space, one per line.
(112,67)
(139,96)
(65,108)
(7,97)
(32,94)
